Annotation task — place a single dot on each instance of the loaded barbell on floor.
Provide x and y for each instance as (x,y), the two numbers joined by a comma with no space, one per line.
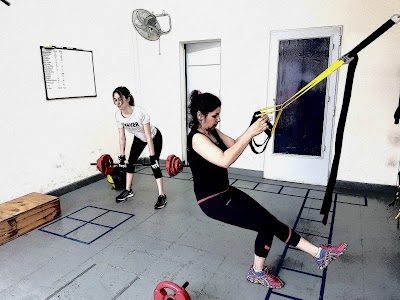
(173,164)
(160,292)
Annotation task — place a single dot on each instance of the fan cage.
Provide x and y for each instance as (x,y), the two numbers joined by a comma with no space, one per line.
(146,24)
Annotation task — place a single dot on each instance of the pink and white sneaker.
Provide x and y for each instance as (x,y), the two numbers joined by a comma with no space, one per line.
(329,253)
(267,279)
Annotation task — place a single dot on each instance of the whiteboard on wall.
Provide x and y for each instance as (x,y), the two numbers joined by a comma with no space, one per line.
(68,73)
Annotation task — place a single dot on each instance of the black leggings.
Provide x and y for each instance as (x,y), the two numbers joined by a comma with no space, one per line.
(137,148)
(237,208)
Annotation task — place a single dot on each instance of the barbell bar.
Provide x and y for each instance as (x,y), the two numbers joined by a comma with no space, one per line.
(173,164)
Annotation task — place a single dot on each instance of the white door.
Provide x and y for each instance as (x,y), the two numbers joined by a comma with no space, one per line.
(300,150)
(203,73)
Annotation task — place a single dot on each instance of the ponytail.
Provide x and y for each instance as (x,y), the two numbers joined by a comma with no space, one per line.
(131,100)
(202,102)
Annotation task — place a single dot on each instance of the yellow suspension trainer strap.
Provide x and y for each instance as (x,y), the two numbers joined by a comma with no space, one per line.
(350,58)
(280,107)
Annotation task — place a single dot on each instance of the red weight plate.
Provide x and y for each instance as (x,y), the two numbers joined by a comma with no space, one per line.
(108,165)
(160,292)
(180,166)
(99,163)
(168,164)
(176,165)
(105,164)
(173,168)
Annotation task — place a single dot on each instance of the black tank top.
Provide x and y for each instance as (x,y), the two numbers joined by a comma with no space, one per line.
(208,179)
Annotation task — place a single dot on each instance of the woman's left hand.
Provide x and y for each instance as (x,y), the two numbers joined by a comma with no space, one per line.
(258,126)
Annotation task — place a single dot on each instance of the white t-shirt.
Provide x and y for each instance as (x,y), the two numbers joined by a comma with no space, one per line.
(134,123)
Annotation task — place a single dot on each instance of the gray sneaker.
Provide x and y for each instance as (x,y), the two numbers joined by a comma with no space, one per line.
(161,202)
(125,195)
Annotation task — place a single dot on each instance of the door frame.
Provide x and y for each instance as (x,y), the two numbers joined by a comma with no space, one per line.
(335,34)
(183,89)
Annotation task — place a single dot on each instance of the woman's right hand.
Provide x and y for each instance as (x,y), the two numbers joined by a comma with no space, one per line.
(258,126)
(121,160)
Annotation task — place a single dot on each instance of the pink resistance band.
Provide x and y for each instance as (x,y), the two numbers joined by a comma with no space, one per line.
(206,198)
(290,234)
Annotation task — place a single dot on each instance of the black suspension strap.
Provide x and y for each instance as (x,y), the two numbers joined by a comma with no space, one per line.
(261,146)
(397,114)
(326,204)
(352,58)
(253,144)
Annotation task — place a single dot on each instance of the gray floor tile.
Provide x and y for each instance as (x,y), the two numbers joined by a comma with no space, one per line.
(293,191)
(316,194)
(299,285)
(180,243)
(244,184)
(272,188)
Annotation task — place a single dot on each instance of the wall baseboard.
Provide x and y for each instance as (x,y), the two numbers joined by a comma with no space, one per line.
(76,185)
(341,185)
(245,172)
(364,188)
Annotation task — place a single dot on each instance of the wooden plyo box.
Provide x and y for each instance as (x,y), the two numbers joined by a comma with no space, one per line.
(26,213)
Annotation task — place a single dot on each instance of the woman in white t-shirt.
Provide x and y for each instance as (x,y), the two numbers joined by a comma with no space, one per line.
(135,120)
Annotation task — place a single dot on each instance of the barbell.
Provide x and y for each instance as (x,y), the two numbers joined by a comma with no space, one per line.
(160,292)
(173,164)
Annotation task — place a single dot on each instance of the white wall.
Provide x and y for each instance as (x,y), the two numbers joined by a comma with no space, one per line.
(49,144)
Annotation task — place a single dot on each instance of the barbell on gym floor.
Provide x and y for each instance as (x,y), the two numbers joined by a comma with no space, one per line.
(179,293)
(173,164)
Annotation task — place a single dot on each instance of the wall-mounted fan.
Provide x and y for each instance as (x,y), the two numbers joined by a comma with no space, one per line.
(147,25)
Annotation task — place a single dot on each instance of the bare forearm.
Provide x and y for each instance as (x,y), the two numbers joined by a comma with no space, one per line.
(209,151)
(122,144)
(233,153)
(150,144)
(149,138)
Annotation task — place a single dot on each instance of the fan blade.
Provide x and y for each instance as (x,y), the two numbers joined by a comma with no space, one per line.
(146,24)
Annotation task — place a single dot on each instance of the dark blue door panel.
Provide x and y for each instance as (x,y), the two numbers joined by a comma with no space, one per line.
(300,128)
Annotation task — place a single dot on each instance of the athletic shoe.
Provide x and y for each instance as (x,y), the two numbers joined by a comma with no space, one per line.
(124,196)
(161,202)
(267,279)
(329,253)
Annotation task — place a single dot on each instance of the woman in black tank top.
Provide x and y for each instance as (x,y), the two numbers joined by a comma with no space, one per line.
(210,153)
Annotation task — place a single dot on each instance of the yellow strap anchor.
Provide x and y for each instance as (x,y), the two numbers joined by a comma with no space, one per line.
(280,107)
(345,59)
